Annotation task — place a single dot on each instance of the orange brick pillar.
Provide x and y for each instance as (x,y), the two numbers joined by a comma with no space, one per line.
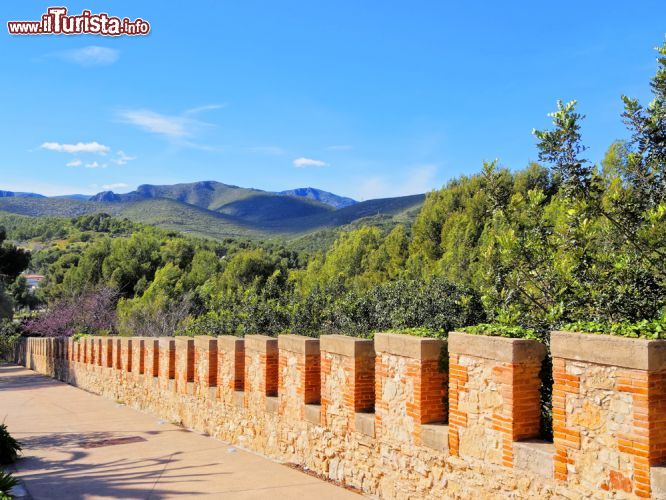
(78,351)
(49,358)
(609,410)
(261,371)
(205,366)
(410,389)
(126,356)
(138,356)
(99,351)
(29,354)
(347,380)
(87,350)
(91,342)
(230,367)
(167,362)
(151,358)
(184,365)
(299,375)
(494,388)
(70,349)
(107,352)
(59,355)
(117,353)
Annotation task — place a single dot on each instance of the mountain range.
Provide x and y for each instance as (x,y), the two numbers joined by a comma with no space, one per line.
(216,210)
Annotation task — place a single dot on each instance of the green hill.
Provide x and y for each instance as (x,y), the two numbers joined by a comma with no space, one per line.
(217,210)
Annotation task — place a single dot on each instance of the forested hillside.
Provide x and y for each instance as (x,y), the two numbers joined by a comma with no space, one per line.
(215,210)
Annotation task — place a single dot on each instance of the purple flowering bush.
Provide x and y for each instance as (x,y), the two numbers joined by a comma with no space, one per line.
(93,312)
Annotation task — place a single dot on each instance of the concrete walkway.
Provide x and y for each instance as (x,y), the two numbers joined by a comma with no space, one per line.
(79,445)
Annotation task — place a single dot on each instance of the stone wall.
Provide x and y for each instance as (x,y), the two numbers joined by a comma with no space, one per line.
(609,412)
(401,417)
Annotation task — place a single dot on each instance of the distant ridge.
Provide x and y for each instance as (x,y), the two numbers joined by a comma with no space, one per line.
(15,194)
(322,196)
(216,210)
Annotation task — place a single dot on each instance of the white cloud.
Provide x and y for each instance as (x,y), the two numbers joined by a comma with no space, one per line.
(303,162)
(94,164)
(115,185)
(340,147)
(204,108)
(121,158)
(176,128)
(79,147)
(74,163)
(170,126)
(92,55)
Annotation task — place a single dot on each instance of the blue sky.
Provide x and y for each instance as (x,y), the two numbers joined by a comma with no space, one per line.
(365,99)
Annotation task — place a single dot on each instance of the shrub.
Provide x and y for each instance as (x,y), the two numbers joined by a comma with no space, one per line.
(9,334)
(9,447)
(7,482)
(645,329)
(421,332)
(499,330)
(92,312)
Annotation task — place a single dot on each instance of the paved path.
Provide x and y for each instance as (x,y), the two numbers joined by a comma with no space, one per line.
(69,451)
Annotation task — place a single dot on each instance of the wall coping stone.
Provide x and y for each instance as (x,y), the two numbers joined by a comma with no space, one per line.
(184,339)
(272,404)
(639,354)
(261,343)
(658,481)
(410,346)
(204,341)
(502,349)
(347,346)
(435,436)
(229,342)
(312,414)
(365,423)
(535,456)
(299,344)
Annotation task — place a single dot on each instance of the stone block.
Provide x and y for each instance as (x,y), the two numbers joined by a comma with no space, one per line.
(410,387)
(535,456)
(313,414)
(151,357)
(347,380)
(167,362)
(609,402)
(184,363)
(435,436)
(365,423)
(261,370)
(299,375)
(138,355)
(205,364)
(230,367)
(494,395)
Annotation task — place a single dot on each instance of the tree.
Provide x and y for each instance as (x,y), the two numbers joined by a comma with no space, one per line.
(13,260)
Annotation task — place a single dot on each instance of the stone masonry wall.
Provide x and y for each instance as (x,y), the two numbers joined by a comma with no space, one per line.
(609,419)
